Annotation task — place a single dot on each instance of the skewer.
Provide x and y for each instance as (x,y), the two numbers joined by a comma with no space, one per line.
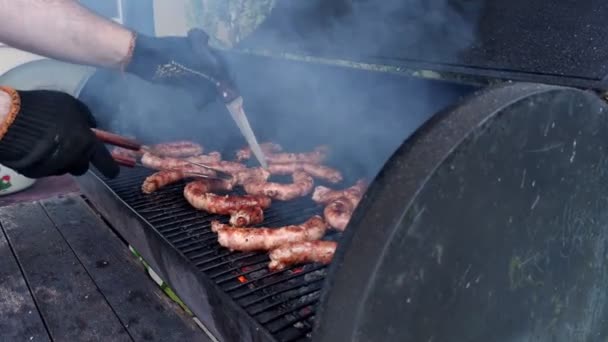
(133,145)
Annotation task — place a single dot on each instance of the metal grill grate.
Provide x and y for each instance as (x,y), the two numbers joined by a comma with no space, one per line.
(283,302)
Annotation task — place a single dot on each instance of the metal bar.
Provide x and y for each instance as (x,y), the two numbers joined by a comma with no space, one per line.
(279,280)
(285,300)
(286,289)
(280,313)
(289,323)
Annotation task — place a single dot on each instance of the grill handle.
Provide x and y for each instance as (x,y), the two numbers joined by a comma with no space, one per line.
(124,161)
(117,140)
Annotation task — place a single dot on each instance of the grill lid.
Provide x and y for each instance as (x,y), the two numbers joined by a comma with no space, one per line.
(487,225)
(558,42)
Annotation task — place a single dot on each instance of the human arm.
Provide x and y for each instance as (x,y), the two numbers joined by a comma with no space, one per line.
(64,30)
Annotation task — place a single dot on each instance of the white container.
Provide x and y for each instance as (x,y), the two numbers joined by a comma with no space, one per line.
(40,74)
(11,181)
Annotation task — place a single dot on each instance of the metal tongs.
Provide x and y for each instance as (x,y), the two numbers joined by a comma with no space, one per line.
(133,145)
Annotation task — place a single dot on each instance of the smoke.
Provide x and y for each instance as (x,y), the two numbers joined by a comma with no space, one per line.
(410,29)
(363,115)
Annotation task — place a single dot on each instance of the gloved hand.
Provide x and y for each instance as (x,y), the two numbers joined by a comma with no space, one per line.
(189,63)
(48,133)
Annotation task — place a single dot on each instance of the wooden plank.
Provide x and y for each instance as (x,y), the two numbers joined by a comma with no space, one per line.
(71,305)
(19,317)
(142,307)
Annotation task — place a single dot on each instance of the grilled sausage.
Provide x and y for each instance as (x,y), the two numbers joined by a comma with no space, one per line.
(316,157)
(163,163)
(201,198)
(338,213)
(199,187)
(247,216)
(163,178)
(227,166)
(209,158)
(176,149)
(169,163)
(252,175)
(315,170)
(267,148)
(301,186)
(325,195)
(302,252)
(264,239)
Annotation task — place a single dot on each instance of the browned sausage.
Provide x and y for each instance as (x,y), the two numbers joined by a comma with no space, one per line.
(324,195)
(316,157)
(338,213)
(315,170)
(176,149)
(301,252)
(247,216)
(258,239)
(199,196)
(267,148)
(301,186)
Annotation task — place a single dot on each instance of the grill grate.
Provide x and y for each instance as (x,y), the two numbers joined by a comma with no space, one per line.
(283,302)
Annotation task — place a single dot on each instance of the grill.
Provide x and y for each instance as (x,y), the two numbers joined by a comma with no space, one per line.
(339,73)
(283,303)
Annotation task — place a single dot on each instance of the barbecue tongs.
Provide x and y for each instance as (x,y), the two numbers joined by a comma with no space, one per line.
(133,145)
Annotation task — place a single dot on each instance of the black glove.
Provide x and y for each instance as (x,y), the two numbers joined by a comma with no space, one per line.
(50,134)
(189,63)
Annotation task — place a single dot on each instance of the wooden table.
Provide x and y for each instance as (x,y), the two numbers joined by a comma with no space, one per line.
(65,276)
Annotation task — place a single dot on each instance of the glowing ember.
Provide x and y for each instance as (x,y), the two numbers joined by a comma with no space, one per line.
(298,270)
(242,279)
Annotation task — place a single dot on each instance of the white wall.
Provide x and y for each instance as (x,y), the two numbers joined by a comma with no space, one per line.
(170,17)
(10,58)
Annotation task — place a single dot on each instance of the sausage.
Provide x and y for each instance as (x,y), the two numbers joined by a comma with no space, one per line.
(202,186)
(302,252)
(252,175)
(227,166)
(302,185)
(325,195)
(176,149)
(315,170)
(267,148)
(201,197)
(264,239)
(338,213)
(163,163)
(212,157)
(163,178)
(169,163)
(247,216)
(316,157)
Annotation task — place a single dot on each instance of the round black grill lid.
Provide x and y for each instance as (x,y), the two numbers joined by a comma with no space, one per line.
(488,225)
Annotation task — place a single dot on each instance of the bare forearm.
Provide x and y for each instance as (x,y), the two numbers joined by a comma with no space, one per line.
(64,30)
